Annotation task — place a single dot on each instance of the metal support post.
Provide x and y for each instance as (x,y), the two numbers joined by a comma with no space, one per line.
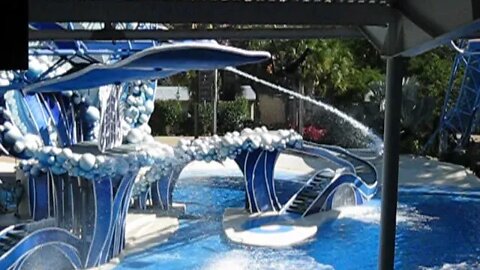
(215,101)
(390,163)
(301,90)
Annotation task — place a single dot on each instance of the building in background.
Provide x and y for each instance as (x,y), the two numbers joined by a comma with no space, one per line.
(180,93)
(249,94)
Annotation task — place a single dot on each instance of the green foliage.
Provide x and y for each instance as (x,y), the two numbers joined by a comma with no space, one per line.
(417,116)
(332,70)
(166,117)
(417,111)
(411,144)
(232,115)
(433,70)
(365,55)
(170,119)
(205,118)
(340,72)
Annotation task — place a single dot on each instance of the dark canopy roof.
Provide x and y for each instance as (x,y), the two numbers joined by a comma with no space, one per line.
(419,25)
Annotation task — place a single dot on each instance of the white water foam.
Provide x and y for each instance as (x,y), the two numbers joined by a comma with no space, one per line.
(263,260)
(456,266)
(376,142)
(370,213)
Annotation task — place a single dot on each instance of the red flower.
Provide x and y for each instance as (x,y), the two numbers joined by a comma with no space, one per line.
(314,133)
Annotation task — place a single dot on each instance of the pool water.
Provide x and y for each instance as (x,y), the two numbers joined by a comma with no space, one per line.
(436,230)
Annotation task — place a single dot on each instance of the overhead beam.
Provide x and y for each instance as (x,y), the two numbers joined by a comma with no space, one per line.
(439,17)
(232,34)
(408,35)
(376,35)
(217,12)
(427,24)
(416,48)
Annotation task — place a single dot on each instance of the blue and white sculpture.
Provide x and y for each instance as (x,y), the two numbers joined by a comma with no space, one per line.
(83,139)
(80,151)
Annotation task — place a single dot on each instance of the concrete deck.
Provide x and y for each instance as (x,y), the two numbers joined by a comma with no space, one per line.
(414,171)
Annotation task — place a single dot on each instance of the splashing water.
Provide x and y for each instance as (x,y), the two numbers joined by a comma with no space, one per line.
(376,142)
(407,216)
(454,266)
(263,259)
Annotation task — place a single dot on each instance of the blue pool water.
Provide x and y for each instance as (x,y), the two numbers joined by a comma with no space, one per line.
(434,230)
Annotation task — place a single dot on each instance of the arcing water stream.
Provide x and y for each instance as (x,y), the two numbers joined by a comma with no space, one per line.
(376,142)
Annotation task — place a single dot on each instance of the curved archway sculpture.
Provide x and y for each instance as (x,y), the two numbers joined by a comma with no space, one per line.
(53,130)
(53,126)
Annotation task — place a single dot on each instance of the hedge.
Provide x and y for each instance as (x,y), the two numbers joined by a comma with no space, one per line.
(166,117)
(169,118)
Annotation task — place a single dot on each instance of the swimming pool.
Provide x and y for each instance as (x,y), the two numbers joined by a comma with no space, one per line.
(435,229)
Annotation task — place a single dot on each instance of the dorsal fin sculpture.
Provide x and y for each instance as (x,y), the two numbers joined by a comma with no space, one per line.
(110,131)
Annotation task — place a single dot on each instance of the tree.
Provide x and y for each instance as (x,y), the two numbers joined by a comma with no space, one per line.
(331,69)
(166,117)
(433,70)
